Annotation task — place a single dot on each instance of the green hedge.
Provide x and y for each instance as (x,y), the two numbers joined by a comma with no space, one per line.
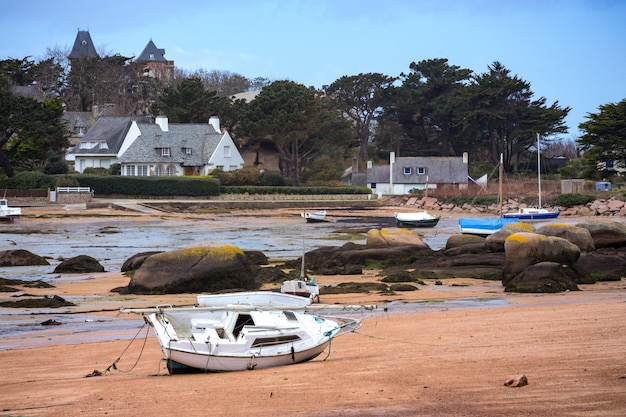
(573,199)
(150,186)
(293,190)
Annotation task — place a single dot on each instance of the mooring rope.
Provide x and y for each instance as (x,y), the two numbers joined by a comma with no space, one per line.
(115,362)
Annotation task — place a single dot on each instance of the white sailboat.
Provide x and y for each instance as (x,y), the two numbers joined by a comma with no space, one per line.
(534,213)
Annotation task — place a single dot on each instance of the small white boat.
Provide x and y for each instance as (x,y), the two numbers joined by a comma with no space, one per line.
(416,219)
(532,214)
(302,288)
(237,338)
(314,216)
(8,213)
(252,298)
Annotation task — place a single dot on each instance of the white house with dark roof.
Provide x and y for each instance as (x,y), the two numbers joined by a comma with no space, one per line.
(404,174)
(100,146)
(164,149)
(156,149)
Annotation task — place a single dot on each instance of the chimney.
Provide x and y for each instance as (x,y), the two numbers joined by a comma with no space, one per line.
(215,122)
(163,123)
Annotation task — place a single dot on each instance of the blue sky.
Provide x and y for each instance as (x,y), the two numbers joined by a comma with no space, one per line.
(573,51)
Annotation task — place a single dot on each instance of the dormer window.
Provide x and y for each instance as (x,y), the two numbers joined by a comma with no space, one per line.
(421,170)
(166,152)
(407,170)
(187,151)
(151,57)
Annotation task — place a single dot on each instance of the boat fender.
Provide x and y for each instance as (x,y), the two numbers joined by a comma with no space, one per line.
(293,354)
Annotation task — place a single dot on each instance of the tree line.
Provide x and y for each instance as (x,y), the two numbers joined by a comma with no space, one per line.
(435,109)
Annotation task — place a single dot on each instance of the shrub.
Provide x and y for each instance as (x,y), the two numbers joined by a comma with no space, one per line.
(573,199)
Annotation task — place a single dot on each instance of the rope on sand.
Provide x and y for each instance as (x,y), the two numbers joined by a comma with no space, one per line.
(114,364)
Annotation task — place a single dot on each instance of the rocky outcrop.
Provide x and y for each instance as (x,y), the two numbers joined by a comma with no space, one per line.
(393,237)
(543,277)
(523,250)
(208,268)
(495,241)
(135,261)
(605,264)
(80,264)
(21,257)
(605,233)
(579,236)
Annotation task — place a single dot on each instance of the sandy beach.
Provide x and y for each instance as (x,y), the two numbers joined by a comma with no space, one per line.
(444,350)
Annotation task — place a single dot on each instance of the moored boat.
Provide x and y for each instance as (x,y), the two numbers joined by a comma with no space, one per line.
(532,214)
(314,216)
(483,226)
(416,219)
(8,213)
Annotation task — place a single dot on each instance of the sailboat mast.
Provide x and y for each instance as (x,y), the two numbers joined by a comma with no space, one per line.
(500,175)
(539,168)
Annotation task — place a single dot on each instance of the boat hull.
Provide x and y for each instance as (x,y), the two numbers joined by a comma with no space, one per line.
(417,223)
(185,361)
(483,226)
(532,215)
(422,219)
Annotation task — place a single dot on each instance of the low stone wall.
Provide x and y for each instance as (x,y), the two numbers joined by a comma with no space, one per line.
(600,207)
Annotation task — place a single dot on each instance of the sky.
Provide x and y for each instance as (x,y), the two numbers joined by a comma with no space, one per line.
(570,51)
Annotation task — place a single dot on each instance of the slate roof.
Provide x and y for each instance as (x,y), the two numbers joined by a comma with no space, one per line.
(111,130)
(201,138)
(83,46)
(76,119)
(152,53)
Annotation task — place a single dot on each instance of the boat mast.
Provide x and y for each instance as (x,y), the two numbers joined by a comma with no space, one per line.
(302,267)
(539,169)
(500,175)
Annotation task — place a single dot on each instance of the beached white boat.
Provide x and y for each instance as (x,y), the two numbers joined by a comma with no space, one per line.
(253,298)
(416,219)
(302,288)
(8,213)
(239,337)
(314,216)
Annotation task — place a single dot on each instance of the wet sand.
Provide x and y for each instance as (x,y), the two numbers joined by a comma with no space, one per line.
(444,350)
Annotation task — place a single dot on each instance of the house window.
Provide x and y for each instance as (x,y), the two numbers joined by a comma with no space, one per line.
(104,145)
(373,186)
(166,152)
(142,170)
(130,170)
(421,170)
(219,167)
(407,170)
(187,151)
(158,171)
(227,151)
(169,171)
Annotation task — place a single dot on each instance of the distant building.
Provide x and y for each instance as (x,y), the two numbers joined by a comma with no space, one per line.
(155,65)
(83,47)
(407,174)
